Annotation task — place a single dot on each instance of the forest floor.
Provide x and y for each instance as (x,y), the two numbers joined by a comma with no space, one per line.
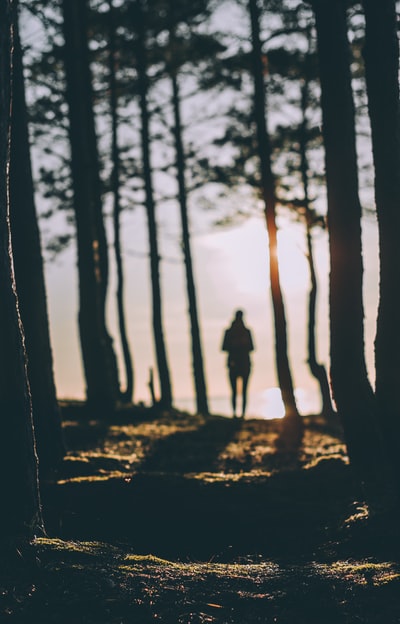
(179,519)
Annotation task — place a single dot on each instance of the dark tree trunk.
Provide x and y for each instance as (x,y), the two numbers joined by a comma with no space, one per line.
(268,195)
(28,265)
(127,394)
(317,369)
(97,350)
(161,353)
(351,389)
(197,356)
(382,65)
(19,490)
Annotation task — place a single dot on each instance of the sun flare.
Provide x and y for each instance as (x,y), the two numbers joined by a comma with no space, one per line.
(293,266)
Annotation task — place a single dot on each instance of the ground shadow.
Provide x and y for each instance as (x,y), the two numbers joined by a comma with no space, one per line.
(205,488)
(192,451)
(101,583)
(289,441)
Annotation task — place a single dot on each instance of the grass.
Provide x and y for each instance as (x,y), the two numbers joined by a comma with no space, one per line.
(179,519)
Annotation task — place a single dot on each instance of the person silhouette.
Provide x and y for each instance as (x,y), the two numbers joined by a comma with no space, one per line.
(238,342)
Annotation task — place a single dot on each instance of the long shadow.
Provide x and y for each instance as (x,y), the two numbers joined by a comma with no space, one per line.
(289,442)
(84,436)
(165,510)
(192,451)
(85,429)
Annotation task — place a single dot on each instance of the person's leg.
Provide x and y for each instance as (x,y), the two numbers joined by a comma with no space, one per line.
(233,382)
(245,379)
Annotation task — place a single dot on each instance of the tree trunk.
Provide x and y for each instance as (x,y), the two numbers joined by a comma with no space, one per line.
(161,353)
(197,356)
(350,386)
(317,369)
(19,490)
(381,54)
(28,265)
(98,355)
(268,195)
(127,394)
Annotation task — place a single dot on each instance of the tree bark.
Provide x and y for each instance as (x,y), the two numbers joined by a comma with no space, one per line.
(197,355)
(127,394)
(97,350)
(351,389)
(269,198)
(19,489)
(29,275)
(381,55)
(161,353)
(317,369)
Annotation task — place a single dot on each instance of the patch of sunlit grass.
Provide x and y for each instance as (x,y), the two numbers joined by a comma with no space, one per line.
(386,577)
(327,462)
(92,548)
(230,477)
(234,570)
(109,476)
(361,514)
(149,560)
(362,573)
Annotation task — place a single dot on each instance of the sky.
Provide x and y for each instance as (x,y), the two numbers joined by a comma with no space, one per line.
(231,271)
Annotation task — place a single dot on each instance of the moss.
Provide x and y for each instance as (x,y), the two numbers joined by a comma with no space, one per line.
(148,560)
(175,518)
(95,582)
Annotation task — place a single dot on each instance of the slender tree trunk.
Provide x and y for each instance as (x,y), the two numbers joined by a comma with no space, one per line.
(350,386)
(98,355)
(317,369)
(268,194)
(29,276)
(127,394)
(197,356)
(19,490)
(381,54)
(161,353)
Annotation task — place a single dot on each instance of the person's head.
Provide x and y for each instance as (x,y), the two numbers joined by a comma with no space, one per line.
(239,315)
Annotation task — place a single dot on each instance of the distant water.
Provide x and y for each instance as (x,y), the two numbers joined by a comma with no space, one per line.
(264,404)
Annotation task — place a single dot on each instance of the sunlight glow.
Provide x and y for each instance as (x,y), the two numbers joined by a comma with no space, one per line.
(293,266)
(268,404)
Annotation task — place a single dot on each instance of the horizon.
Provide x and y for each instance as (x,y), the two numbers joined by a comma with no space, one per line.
(246,286)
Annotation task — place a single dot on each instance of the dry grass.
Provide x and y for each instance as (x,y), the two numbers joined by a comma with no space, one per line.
(181,519)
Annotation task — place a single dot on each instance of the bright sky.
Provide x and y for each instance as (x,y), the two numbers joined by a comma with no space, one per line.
(231,271)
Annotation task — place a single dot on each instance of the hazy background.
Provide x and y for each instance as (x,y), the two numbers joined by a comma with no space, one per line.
(231,268)
(231,271)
